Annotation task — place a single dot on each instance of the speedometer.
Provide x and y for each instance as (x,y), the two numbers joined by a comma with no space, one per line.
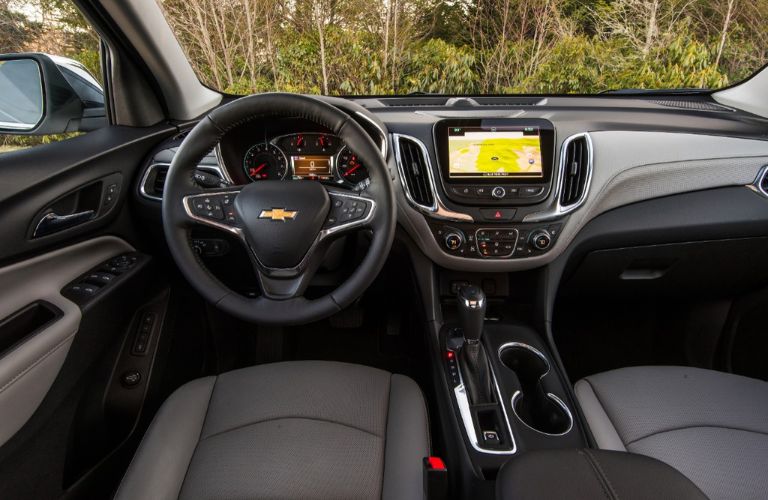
(350,168)
(265,161)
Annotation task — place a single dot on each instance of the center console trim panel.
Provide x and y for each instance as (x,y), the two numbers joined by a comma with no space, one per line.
(462,401)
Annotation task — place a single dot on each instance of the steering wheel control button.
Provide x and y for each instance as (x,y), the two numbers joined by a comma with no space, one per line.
(498,213)
(453,241)
(215,207)
(498,192)
(346,210)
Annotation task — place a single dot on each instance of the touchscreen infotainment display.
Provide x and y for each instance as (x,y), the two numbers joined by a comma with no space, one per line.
(491,152)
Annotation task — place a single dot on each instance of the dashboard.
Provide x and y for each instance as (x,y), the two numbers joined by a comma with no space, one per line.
(504,186)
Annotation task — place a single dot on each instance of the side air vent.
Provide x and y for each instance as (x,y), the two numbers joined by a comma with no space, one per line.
(761,184)
(414,172)
(153,183)
(576,171)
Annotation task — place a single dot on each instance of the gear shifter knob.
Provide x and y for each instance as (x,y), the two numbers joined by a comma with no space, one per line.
(471,312)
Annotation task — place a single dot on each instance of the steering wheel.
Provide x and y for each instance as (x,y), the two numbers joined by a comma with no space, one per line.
(286,227)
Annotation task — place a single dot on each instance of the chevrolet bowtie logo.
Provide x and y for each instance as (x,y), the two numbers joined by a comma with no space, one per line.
(278,214)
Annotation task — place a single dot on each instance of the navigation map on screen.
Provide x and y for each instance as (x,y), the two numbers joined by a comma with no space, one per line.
(480,152)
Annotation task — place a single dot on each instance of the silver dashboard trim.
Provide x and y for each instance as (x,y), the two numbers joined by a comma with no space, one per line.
(559,210)
(757,184)
(382,134)
(437,210)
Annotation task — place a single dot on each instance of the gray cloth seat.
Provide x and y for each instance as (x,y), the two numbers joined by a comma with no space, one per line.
(711,426)
(304,429)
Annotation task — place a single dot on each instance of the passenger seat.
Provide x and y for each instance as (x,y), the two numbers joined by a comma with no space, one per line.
(709,425)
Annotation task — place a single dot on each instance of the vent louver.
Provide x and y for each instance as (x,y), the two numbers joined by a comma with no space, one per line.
(414,173)
(576,171)
(158,184)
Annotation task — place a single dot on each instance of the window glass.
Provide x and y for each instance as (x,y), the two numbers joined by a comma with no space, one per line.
(57,30)
(469,46)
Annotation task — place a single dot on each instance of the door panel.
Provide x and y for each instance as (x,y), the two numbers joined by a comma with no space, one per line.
(29,368)
(67,178)
(58,351)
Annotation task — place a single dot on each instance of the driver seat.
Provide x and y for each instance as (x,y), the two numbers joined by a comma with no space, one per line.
(299,429)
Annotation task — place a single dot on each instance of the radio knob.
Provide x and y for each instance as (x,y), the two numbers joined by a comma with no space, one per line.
(453,240)
(498,192)
(541,239)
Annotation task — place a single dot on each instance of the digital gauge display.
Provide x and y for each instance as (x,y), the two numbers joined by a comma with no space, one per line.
(316,166)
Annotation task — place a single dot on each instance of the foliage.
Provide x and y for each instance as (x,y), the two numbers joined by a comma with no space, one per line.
(434,46)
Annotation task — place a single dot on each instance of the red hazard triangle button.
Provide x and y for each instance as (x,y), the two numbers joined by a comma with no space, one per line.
(498,213)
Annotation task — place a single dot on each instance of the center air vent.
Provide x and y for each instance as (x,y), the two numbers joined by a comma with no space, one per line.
(414,172)
(576,170)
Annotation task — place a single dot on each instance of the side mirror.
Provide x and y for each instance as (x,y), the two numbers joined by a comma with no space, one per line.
(41,94)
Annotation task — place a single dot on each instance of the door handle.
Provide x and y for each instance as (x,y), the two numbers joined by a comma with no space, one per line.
(52,222)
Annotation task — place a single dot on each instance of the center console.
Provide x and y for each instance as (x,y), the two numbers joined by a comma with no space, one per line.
(493,179)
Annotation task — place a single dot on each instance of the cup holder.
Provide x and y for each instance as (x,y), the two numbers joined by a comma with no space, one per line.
(540,410)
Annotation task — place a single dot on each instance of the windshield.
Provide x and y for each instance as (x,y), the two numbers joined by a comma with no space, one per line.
(374,47)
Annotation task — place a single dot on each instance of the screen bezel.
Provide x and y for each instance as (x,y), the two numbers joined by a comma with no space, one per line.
(547,137)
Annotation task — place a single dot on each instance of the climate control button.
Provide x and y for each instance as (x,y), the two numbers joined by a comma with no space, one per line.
(453,241)
(541,239)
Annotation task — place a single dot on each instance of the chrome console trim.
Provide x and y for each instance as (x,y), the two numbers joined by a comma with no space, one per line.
(559,210)
(462,400)
(551,396)
(437,210)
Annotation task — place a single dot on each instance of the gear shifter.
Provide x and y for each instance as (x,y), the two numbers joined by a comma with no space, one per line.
(473,361)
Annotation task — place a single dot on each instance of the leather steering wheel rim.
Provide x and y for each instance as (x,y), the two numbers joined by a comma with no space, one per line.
(180,184)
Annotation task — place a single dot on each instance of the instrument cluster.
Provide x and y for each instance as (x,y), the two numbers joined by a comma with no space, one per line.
(310,155)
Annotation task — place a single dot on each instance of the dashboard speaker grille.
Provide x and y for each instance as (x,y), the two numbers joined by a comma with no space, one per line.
(575,172)
(415,175)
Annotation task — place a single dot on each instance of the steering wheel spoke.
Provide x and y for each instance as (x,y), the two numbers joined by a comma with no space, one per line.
(348,212)
(214,208)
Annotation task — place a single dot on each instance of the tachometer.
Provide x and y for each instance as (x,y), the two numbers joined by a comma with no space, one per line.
(350,168)
(265,161)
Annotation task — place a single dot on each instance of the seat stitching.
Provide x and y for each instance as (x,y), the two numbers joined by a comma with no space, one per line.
(682,428)
(605,410)
(290,417)
(602,475)
(194,452)
(386,432)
